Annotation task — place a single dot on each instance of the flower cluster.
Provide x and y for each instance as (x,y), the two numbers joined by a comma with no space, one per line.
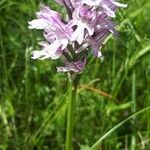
(87,25)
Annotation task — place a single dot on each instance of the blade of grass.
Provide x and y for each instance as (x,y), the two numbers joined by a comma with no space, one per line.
(5,121)
(95,146)
(41,131)
(138,55)
(102,93)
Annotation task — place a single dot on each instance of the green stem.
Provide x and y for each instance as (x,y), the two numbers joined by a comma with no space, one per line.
(70,115)
(133,109)
(134,92)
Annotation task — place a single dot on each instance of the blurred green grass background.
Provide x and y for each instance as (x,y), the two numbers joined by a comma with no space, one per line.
(33,96)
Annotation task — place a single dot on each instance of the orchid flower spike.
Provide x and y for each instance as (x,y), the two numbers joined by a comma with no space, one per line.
(87,26)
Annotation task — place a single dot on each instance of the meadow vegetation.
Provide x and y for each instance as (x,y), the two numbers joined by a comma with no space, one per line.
(33,96)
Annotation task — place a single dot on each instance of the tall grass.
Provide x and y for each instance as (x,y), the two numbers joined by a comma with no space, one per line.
(33,96)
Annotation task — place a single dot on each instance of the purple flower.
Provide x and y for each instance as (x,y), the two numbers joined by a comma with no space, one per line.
(56,33)
(88,25)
